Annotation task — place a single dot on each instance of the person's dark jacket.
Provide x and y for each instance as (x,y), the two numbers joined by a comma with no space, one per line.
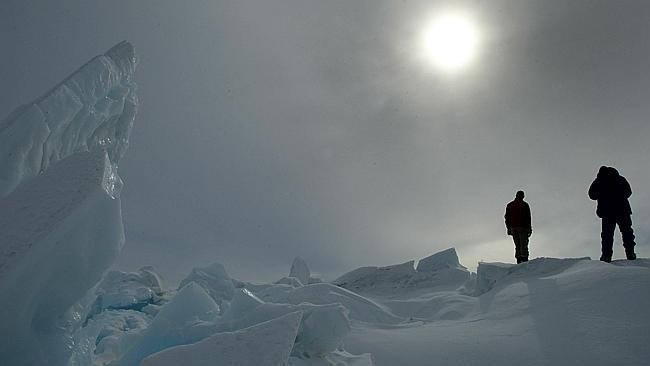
(518,214)
(612,191)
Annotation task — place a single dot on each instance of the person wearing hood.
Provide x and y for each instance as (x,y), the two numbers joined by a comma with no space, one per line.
(612,191)
(519,226)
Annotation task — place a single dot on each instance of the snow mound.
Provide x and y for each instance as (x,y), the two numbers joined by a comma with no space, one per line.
(290,281)
(268,343)
(187,318)
(441,271)
(214,280)
(58,233)
(93,109)
(491,274)
(336,358)
(551,311)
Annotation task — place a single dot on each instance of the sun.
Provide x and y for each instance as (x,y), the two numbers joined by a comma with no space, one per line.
(450,41)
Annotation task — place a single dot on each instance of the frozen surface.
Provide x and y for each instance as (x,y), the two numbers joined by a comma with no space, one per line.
(58,233)
(336,358)
(268,343)
(93,109)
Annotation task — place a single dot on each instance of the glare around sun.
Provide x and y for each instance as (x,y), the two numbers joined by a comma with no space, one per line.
(450,41)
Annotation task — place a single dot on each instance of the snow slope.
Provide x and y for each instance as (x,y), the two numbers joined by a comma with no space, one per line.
(543,312)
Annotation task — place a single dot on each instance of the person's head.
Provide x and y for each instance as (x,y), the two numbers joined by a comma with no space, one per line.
(520,195)
(603,171)
(607,172)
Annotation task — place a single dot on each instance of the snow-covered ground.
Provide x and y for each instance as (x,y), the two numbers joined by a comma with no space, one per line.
(61,228)
(544,312)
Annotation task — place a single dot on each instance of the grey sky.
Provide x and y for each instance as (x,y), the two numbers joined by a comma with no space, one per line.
(269,129)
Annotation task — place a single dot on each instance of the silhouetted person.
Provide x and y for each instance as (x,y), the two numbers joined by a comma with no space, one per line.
(612,190)
(518,225)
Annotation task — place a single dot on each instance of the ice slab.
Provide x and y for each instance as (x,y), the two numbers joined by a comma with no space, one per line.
(321,330)
(359,307)
(93,109)
(441,271)
(107,336)
(214,280)
(268,343)
(187,318)
(447,259)
(58,233)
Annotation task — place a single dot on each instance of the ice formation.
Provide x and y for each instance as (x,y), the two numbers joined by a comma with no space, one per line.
(186,319)
(359,307)
(300,271)
(93,109)
(59,232)
(267,343)
(214,280)
(60,217)
(440,271)
(121,290)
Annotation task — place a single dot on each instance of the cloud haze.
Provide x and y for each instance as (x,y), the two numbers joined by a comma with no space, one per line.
(273,129)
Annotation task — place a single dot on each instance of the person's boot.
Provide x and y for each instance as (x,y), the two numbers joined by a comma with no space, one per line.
(524,259)
(519,260)
(629,253)
(605,258)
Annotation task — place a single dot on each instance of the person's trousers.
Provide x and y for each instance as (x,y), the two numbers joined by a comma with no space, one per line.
(624,223)
(520,237)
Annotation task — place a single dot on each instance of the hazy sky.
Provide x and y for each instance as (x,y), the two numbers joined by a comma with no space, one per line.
(270,129)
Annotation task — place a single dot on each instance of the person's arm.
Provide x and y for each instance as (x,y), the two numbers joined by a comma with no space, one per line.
(625,186)
(594,190)
(507,217)
(529,220)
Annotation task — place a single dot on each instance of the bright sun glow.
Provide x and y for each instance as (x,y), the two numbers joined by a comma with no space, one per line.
(450,41)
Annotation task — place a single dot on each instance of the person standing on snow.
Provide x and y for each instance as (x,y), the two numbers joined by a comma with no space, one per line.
(519,226)
(612,191)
